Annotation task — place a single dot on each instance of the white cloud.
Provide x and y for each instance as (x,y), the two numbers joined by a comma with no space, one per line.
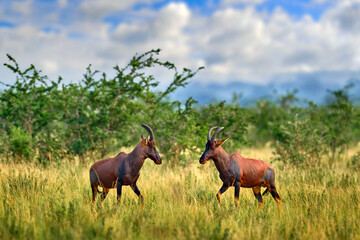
(243,44)
(242,2)
(54,53)
(50,66)
(97,9)
(100,8)
(234,44)
(23,7)
(164,29)
(62,3)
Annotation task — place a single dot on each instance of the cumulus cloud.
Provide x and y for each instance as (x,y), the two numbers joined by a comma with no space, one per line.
(165,29)
(23,7)
(62,3)
(100,8)
(239,44)
(97,9)
(253,46)
(241,2)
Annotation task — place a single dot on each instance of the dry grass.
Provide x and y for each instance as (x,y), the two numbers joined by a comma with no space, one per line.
(55,202)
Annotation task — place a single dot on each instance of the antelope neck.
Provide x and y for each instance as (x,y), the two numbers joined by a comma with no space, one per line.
(137,157)
(221,160)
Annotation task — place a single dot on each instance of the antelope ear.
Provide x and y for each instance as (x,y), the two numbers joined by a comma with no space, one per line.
(144,141)
(219,143)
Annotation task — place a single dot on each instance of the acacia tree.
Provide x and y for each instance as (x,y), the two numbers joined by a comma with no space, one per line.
(175,123)
(26,104)
(301,141)
(100,113)
(50,119)
(338,116)
(92,116)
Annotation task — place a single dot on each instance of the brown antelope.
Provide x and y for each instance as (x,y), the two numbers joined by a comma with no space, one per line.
(123,169)
(238,171)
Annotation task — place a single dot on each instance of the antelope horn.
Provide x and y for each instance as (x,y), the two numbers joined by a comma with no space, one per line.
(208,135)
(214,135)
(149,130)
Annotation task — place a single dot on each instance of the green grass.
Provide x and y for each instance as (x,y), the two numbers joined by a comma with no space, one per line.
(55,203)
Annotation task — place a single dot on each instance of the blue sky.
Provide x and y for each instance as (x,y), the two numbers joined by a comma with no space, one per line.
(249,47)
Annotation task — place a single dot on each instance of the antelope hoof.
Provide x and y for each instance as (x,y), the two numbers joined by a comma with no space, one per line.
(236,202)
(218,196)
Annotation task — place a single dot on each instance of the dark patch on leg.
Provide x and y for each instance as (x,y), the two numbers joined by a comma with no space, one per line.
(94,183)
(236,170)
(223,188)
(258,196)
(274,194)
(94,190)
(119,189)
(137,192)
(237,193)
(276,197)
(269,175)
(266,192)
(269,181)
(104,194)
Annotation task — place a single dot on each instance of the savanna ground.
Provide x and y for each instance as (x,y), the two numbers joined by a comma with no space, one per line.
(55,203)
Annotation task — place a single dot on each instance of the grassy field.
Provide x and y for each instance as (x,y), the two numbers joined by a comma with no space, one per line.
(55,203)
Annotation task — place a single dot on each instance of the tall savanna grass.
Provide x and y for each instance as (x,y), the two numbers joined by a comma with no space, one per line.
(54,202)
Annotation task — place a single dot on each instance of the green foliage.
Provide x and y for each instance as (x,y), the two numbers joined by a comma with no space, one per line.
(20,144)
(234,118)
(181,143)
(270,115)
(96,115)
(27,106)
(300,142)
(355,161)
(338,118)
(101,113)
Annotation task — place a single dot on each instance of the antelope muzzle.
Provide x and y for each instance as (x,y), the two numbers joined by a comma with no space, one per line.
(157,159)
(202,159)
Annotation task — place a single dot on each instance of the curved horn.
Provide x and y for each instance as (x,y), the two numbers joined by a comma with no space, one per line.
(208,135)
(149,130)
(214,135)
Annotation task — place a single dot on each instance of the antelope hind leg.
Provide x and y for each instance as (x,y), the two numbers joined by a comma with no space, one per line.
(258,196)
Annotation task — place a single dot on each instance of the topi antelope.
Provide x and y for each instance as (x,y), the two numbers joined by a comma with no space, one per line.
(123,169)
(238,171)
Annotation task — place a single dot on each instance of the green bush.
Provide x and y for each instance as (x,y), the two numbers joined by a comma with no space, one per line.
(299,143)
(100,113)
(355,162)
(20,144)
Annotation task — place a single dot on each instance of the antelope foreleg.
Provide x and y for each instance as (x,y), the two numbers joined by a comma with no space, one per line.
(119,189)
(237,193)
(137,192)
(221,191)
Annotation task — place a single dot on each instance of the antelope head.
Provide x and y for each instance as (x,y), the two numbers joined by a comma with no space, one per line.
(149,143)
(212,146)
